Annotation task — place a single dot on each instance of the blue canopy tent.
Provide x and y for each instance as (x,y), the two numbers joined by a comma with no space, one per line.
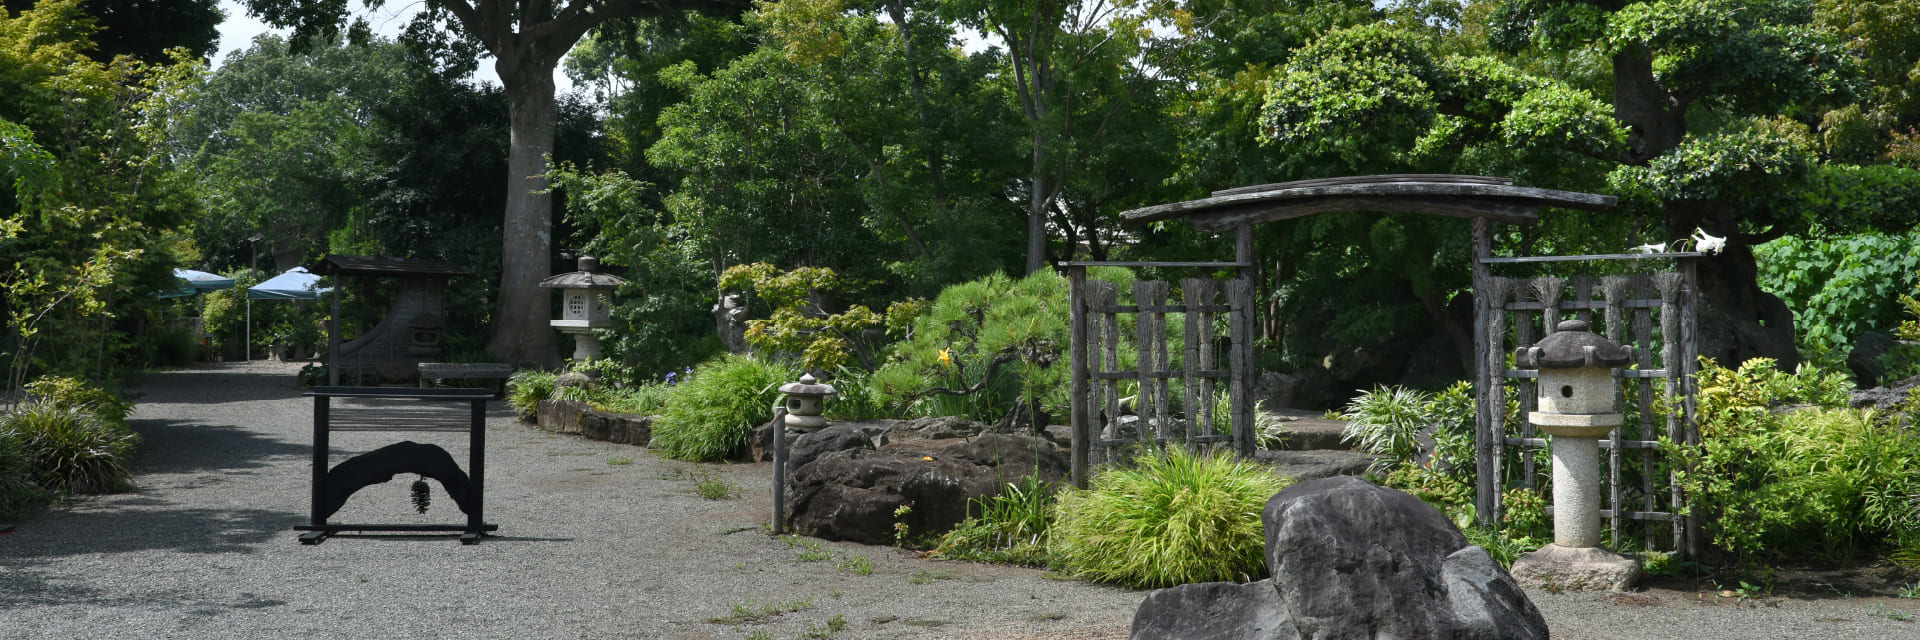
(196,282)
(294,284)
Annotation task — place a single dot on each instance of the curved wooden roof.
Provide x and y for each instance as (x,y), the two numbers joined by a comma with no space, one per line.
(1446,195)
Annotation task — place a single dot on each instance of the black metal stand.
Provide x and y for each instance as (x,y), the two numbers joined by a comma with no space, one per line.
(329,492)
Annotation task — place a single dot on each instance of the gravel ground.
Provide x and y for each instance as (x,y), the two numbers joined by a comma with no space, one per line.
(596,541)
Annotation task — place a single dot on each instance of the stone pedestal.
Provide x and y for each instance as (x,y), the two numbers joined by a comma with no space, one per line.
(1558,568)
(586,346)
(1576,474)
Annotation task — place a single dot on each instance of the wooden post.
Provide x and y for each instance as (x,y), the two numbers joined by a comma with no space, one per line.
(1485,433)
(1190,299)
(1108,294)
(1077,413)
(333,336)
(1689,363)
(1240,300)
(1152,343)
(320,445)
(780,470)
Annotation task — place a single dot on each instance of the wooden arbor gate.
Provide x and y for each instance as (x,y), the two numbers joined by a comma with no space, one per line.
(1482,200)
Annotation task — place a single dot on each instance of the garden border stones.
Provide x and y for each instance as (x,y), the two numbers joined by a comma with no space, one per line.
(580,418)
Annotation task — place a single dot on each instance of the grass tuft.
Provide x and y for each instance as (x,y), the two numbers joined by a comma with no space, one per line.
(1174,518)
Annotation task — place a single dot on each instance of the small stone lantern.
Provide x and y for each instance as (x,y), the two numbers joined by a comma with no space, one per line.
(584,305)
(806,401)
(1577,407)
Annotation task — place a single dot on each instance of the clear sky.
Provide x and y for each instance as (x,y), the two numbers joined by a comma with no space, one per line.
(239,29)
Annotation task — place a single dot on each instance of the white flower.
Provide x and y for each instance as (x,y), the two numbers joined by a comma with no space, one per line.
(1656,247)
(1707,244)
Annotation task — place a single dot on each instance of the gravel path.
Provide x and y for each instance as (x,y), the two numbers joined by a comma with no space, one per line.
(596,540)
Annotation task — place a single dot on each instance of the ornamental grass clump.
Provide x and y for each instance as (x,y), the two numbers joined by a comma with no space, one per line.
(526,388)
(1010,527)
(710,415)
(1175,517)
(70,449)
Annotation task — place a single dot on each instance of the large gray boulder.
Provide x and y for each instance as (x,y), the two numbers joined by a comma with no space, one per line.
(1214,611)
(1352,560)
(853,494)
(1355,560)
(837,437)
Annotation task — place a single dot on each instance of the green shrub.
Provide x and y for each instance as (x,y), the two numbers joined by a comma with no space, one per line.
(710,415)
(1840,287)
(1177,517)
(1387,422)
(1021,324)
(854,397)
(19,494)
(69,448)
(74,393)
(526,388)
(1009,528)
(172,345)
(645,400)
(1820,481)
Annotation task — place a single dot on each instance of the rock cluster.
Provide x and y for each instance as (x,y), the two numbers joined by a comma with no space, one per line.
(841,488)
(1351,560)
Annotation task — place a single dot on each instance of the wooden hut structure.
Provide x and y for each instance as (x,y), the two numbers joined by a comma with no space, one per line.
(411,330)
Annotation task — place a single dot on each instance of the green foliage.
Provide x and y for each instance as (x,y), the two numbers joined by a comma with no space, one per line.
(91,202)
(983,342)
(799,324)
(20,494)
(1176,517)
(1824,481)
(1840,287)
(70,448)
(1390,421)
(526,388)
(710,415)
(1010,527)
(854,397)
(79,395)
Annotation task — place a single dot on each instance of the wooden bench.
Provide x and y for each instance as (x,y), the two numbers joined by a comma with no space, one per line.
(430,371)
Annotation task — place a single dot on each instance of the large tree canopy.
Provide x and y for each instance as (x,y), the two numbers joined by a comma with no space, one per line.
(527,39)
(1700,114)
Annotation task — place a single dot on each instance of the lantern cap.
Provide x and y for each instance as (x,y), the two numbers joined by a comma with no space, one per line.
(585,278)
(807,386)
(1572,346)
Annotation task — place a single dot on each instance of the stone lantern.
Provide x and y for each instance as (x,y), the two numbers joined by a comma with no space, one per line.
(1577,407)
(585,305)
(806,401)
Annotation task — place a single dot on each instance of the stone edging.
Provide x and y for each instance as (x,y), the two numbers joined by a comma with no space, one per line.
(566,416)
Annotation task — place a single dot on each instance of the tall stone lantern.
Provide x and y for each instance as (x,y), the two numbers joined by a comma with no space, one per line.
(585,305)
(1578,406)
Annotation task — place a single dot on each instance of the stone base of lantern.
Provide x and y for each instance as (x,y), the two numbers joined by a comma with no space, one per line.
(586,346)
(1555,568)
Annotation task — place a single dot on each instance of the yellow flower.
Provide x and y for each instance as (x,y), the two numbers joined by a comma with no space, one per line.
(946,357)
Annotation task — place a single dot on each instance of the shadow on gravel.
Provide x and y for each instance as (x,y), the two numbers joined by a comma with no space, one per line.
(117,530)
(216,383)
(27,587)
(179,447)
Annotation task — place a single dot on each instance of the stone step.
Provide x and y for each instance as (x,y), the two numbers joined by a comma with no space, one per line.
(1319,463)
(1308,430)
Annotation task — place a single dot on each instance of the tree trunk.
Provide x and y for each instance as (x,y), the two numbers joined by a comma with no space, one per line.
(1037,211)
(521,334)
(1738,320)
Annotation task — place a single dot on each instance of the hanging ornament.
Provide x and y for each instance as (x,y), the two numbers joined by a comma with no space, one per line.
(422,495)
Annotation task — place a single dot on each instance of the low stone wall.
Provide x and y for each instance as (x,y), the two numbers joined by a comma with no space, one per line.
(566,416)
